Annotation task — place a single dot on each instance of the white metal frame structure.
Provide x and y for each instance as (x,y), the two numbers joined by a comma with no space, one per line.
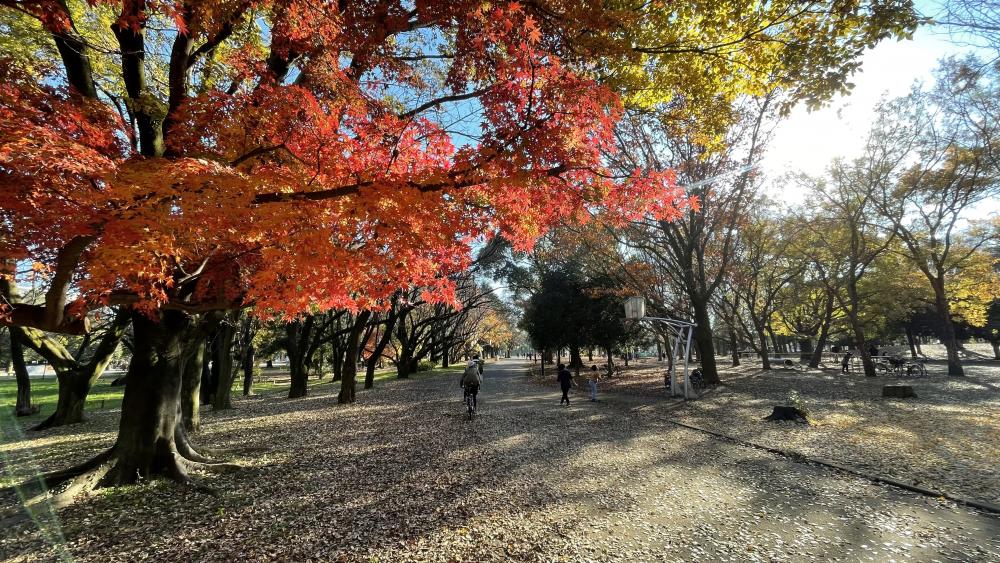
(683,331)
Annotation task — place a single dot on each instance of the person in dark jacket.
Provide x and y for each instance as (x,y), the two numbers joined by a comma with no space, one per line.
(565,378)
(845,364)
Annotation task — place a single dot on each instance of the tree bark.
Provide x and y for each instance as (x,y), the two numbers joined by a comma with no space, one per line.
(191,385)
(575,361)
(75,378)
(298,333)
(347,383)
(805,350)
(910,343)
(383,341)
(151,437)
(703,339)
(734,344)
(222,363)
(824,332)
(248,365)
(23,406)
(948,336)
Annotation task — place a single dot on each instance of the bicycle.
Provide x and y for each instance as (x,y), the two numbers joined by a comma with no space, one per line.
(470,402)
(916,368)
(697,381)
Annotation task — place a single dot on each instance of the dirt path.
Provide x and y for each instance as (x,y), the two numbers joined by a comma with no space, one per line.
(633,486)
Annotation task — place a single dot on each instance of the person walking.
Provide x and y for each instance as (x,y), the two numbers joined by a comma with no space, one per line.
(592,381)
(845,364)
(565,378)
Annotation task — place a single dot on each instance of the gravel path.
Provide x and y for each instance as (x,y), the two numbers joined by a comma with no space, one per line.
(403,476)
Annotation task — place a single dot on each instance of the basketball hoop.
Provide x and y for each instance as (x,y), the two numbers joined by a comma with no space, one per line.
(635,308)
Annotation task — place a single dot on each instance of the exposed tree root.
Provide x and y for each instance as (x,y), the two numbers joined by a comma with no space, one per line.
(111,469)
(45,424)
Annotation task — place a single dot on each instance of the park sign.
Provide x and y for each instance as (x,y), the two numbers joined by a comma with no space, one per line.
(635,308)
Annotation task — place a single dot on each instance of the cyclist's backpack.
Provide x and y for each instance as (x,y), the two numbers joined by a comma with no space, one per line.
(471,374)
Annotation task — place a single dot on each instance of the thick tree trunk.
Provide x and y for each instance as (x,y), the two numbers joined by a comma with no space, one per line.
(298,334)
(151,437)
(575,361)
(22,406)
(911,343)
(996,349)
(222,356)
(347,383)
(805,350)
(948,336)
(191,385)
(706,347)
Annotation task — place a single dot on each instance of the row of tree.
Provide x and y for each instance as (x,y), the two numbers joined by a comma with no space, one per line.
(885,245)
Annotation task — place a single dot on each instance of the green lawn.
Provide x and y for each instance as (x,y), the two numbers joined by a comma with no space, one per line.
(103,397)
(45,393)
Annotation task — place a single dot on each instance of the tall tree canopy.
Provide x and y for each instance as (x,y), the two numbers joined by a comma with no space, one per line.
(294,154)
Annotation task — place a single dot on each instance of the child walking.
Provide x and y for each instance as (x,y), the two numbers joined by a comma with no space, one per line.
(592,380)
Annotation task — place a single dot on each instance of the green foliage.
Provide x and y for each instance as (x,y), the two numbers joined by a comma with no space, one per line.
(572,310)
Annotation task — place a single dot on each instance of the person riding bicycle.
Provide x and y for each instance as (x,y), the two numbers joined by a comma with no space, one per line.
(472,378)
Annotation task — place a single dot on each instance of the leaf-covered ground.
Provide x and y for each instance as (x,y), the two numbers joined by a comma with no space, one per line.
(945,439)
(403,476)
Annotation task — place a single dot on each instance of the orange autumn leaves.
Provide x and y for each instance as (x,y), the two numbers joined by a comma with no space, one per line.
(319,192)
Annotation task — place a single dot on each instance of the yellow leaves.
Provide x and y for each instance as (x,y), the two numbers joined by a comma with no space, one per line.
(973,288)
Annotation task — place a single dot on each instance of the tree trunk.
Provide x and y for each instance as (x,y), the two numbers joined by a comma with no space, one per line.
(996,349)
(350,374)
(151,438)
(383,341)
(910,343)
(734,344)
(859,342)
(338,361)
(575,360)
(762,342)
(208,370)
(706,347)
(824,331)
(23,405)
(191,385)
(248,365)
(222,354)
(948,336)
(298,333)
(805,350)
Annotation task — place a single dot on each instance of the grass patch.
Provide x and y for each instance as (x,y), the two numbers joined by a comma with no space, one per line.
(45,394)
(104,397)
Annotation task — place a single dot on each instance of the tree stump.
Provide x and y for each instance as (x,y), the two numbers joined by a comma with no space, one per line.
(898,391)
(787,413)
